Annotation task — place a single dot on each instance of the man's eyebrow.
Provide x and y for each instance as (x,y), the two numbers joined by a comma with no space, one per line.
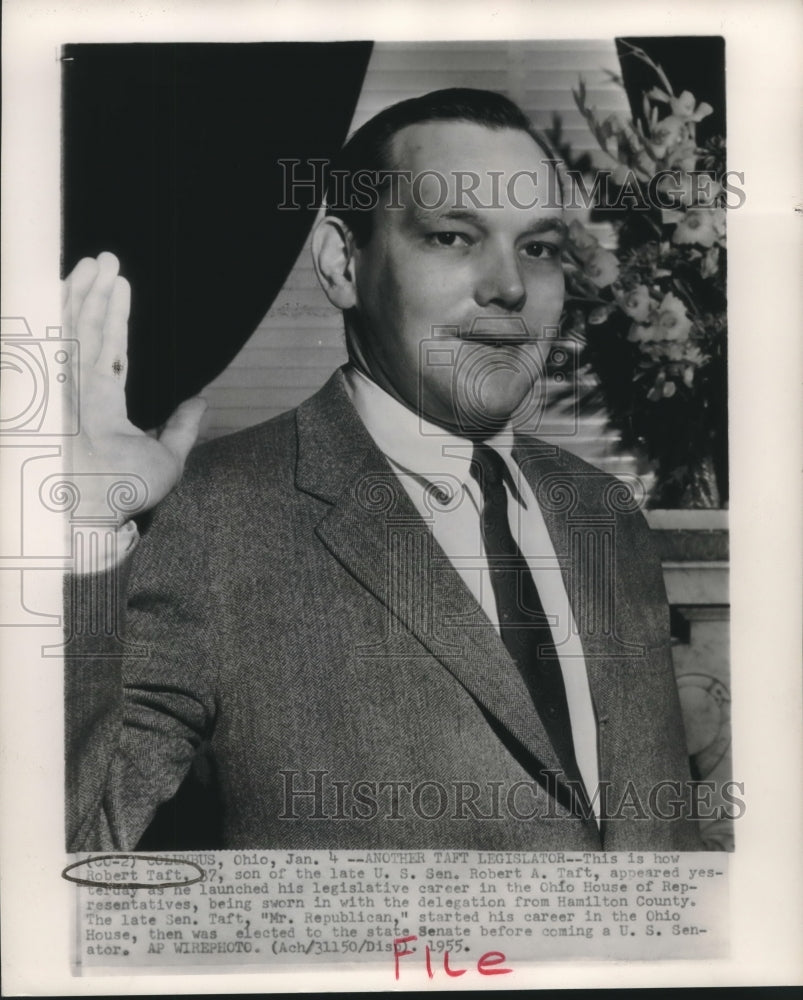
(430,215)
(552,224)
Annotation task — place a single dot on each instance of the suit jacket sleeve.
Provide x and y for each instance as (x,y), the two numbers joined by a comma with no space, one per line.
(140,669)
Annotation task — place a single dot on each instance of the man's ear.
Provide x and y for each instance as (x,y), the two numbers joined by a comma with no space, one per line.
(332,257)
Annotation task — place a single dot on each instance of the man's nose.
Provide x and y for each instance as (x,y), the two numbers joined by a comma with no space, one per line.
(500,280)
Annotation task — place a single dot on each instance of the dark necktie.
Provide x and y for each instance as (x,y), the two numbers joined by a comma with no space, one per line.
(522,622)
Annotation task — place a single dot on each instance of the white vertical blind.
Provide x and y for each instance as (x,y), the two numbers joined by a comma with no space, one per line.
(300,341)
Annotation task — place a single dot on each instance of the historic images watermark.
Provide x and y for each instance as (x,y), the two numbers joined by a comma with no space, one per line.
(311,795)
(311,183)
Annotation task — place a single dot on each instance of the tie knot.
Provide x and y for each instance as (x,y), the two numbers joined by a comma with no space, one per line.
(488,467)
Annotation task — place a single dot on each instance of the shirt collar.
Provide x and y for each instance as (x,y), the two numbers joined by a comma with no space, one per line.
(410,442)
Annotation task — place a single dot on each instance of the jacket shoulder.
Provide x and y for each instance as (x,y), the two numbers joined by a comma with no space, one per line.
(564,482)
(230,477)
(270,442)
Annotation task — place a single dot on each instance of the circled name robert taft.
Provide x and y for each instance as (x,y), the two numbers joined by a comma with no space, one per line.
(391,617)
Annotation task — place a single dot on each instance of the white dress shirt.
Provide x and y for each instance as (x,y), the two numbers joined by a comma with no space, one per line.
(434,468)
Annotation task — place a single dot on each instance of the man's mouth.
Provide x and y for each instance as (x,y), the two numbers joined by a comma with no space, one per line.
(498,331)
(490,331)
(494,340)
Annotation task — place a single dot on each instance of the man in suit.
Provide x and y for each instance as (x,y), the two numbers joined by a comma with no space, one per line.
(391,617)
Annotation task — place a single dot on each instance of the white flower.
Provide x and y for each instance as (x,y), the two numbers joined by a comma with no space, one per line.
(672,319)
(635,303)
(704,226)
(666,134)
(710,263)
(602,268)
(598,314)
(686,107)
(662,389)
(583,243)
(694,355)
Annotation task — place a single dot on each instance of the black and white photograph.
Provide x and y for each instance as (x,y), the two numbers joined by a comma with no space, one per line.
(376,485)
(330,624)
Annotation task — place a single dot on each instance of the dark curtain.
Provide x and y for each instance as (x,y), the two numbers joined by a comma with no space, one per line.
(694,62)
(170,161)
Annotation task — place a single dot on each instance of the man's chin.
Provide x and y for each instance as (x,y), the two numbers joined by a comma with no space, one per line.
(491,407)
(483,423)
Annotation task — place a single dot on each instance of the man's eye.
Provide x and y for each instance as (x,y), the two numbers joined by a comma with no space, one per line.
(448,238)
(542,251)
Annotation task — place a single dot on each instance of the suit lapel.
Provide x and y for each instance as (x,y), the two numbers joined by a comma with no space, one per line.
(374,530)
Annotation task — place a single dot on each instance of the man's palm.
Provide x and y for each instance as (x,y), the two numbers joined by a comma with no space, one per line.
(96,304)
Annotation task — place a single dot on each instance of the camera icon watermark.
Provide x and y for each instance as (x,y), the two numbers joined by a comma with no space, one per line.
(52,522)
(39,381)
(508,385)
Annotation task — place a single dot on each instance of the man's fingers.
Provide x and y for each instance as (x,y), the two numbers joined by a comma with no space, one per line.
(181,430)
(88,326)
(114,346)
(76,285)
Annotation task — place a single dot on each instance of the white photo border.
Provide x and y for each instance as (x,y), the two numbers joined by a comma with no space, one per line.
(763,88)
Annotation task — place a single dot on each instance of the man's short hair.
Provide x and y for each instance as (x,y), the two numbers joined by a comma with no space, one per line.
(361,170)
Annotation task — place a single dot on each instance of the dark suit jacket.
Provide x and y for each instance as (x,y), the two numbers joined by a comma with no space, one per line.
(288,609)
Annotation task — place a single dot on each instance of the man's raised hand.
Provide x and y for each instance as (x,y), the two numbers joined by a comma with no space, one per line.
(96,301)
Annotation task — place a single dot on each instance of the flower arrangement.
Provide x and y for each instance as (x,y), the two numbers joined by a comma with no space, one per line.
(650,316)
